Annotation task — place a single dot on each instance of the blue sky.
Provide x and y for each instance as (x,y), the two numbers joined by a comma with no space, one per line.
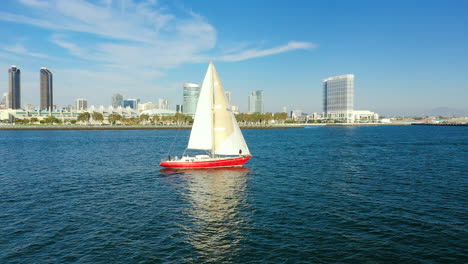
(407,56)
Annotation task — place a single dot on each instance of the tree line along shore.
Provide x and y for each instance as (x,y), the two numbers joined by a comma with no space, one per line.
(179,119)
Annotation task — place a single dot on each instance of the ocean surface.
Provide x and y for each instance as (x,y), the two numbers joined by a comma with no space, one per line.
(384,194)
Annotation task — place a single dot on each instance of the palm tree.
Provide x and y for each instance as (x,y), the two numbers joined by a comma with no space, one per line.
(84,117)
(113,118)
(144,118)
(98,117)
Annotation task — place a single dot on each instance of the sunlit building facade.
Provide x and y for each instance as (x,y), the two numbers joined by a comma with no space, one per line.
(256,102)
(81,104)
(338,97)
(191,94)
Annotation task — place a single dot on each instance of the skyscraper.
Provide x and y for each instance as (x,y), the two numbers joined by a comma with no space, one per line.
(81,104)
(163,104)
(14,85)
(338,97)
(46,91)
(256,102)
(117,100)
(191,94)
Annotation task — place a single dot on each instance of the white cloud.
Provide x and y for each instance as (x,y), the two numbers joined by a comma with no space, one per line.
(21,50)
(113,36)
(255,53)
(34,3)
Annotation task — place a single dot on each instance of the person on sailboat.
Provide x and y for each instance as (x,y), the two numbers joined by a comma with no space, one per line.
(240,152)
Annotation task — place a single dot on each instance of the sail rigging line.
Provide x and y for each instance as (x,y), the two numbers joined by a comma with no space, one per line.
(173,142)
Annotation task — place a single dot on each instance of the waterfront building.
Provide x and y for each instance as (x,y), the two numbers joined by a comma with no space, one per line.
(179,108)
(117,100)
(163,103)
(228,97)
(81,104)
(235,109)
(5,100)
(338,97)
(14,87)
(191,94)
(46,89)
(365,116)
(146,106)
(256,102)
(132,103)
(296,114)
(159,112)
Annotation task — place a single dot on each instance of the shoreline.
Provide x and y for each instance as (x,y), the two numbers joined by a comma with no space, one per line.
(127,127)
(144,127)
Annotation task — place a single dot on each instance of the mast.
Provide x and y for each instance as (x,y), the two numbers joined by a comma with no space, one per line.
(213,112)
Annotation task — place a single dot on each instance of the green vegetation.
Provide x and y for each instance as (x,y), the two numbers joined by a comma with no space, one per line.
(51,120)
(97,117)
(261,119)
(113,118)
(84,117)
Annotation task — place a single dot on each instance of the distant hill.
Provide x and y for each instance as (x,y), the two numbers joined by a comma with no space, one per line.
(446,111)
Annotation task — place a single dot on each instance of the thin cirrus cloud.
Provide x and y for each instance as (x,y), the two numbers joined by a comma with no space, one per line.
(148,34)
(20,49)
(111,35)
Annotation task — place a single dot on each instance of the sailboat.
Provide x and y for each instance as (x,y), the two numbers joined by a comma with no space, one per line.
(215,130)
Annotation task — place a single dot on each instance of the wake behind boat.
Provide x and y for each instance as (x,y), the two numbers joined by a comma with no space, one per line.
(215,130)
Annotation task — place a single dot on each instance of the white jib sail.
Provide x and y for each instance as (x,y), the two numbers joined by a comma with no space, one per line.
(228,139)
(201,136)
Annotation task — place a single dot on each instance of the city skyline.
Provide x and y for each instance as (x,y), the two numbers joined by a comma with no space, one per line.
(397,71)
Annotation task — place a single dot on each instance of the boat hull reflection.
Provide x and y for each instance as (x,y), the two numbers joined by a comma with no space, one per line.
(218,210)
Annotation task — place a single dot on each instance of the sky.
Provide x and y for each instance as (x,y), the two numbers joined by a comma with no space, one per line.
(407,56)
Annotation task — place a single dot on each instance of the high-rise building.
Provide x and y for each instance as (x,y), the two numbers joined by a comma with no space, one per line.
(117,100)
(338,97)
(132,103)
(256,102)
(191,94)
(47,97)
(163,104)
(228,97)
(81,104)
(179,108)
(14,84)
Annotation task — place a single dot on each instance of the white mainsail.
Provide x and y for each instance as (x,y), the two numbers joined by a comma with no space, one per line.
(201,136)
(215,126)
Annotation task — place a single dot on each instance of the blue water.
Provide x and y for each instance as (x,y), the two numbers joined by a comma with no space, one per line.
(393,194)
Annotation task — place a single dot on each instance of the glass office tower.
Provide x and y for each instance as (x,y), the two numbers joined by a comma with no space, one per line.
(191,94)
(117,100)
(338,97)
(47,97)
(14,87)
(256,102)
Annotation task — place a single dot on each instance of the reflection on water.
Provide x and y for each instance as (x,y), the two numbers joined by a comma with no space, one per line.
(217,197)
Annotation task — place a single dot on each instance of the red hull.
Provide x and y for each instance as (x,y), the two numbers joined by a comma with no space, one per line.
(230,162)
